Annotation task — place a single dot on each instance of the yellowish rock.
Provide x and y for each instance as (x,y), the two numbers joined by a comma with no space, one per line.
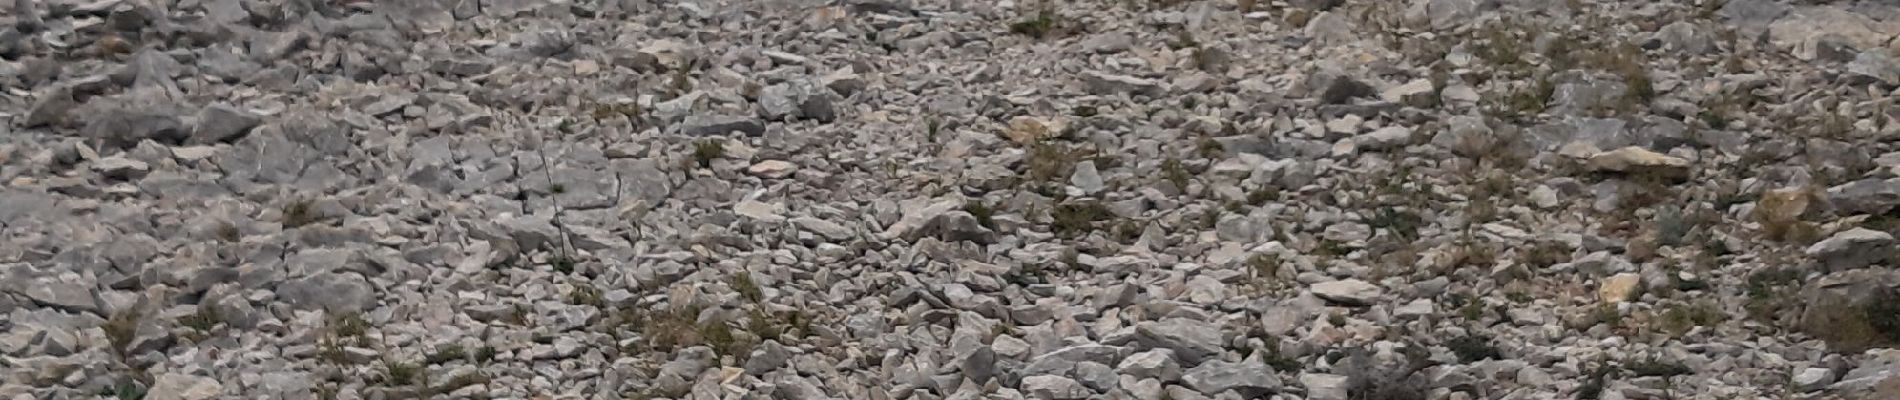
(1636,159)
(1620,287)
(1027,129)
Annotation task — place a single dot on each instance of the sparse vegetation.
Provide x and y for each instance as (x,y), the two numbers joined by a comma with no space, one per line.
(742,282)
(705,151)
(1654,366)
(1077,218)
(1039,26)
(1681,318)
(985,215)
(446,353)
(585,295)
(1175,173)
(1473,349)
(298,213)
(398,373)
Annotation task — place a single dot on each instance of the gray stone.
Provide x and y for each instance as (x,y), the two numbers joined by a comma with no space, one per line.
(1873,378)
(1853,248)
(174,386)
(1095,376)
(1807,32)
(1062,361)
(1324,386)
(1340,89)
(661,55)
(1866,196)
(62,295)
(1441,14)
(1875,66)
(845,83)
(1152,364)
(1108,42)
(709,125)
(222,123)
(1250,379)
(1812,379)
(124,128)
(334,292)
(121,168)
(50,107)
(980,365)
(1351,292)
(767,357)
(1191,340)
(1387,138)
(829,230)
(1684,37)
(797,99)
(1052,387)
(1109,84)
(1086,178)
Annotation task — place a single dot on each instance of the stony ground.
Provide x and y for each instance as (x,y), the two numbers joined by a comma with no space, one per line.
(947,199)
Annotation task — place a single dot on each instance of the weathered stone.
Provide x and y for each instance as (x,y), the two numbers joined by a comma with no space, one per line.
(1191,340)
(175,386)
(1109,84)
(1620,288)
(1250,379)
(709,125)
(1352,292)
(1853,248)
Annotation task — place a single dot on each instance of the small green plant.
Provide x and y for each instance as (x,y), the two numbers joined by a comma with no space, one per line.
(1048,161)
(721,338)
(1038,26)
(398,373)
(1278,360)
(1884,317)
(778,326)
(125,390)
(742,282)
(121,328)
(1680,319)
(1654,366)
(519,315)
(446,353)
(1544,254)
(1470,349)
(586,295)
(1077,218)
(557,188)
(1210,148)
(202,321)
(1175,173)
(1606,314)
(299,213)
(1261,196)
(562,264)
(466,380)
(348,325)
(1404,224)
(486,354)
(931,127)
(330,350)
(1472,310)
(705,151)
(228,232)
(985,215)
(1084,111)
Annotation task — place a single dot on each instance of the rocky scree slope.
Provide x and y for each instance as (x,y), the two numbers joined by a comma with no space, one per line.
(870,199)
